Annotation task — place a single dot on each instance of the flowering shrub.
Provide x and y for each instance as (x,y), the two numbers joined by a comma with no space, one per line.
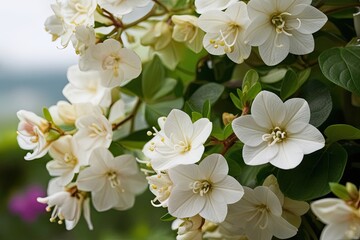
(225,110)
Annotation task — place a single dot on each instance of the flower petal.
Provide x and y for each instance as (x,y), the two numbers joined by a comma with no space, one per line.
(183,204)
(248,131)
(268,110)
(213,21)
(297,110)
(312,20)
(201,132)
(335,231)
(213,210)
(228,190)
(331,210)
(289,155)
(178,125)
(258,31)
(281,228)
(275,48)
(260,154)
(214,167)
(308,139)
(301,44)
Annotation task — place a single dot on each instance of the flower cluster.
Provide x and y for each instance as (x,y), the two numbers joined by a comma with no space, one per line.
(233,137)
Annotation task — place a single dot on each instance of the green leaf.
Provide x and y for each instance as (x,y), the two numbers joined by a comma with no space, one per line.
(340,191)
(169,86)
(196,116)
(153,78)
(206,111)
(236,101)
(250,79)
(303,76)
(289,84)
(228,130)
(210,91)
(135,140)
(311,178)
(274,75)
(339,132)
(167,218)
(253,92)
(156,110)
(341,66)
(47,114)
(319,98)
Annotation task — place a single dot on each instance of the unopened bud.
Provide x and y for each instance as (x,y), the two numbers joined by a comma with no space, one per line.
(227,118)
(352,190)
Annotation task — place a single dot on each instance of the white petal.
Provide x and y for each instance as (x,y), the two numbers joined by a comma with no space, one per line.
(105,198)
(182,176)
(214,167)
(258,7)
(309,139)
(201,132)
(214,211)
(283,5)
(241,50)
(275,48)
(213,21)
(238,13)
(86,210)
(90,180)
(130,65)
(124,163)
(267,197)
(312,20)
(178,126)
(335,231)
(331,210)
(289,155)
(228,190)
(210,47)
(207,5)
(248,131)
(268,110)
(301,44)
(183,204)
(281,228)
(125,200)
(135,183)
(297,110)
(260,154)
(258,31)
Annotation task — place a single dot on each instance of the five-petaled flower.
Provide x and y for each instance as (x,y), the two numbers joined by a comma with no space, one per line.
(277,132)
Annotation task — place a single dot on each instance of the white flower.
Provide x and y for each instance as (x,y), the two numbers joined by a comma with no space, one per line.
(113,182)
(67,159)
(122,7)
(186,30)
(225,32)
(117,65)
(31,134)
(188,228)
(207,5)
(160,185)
(84,38)
(203,189)
(68,203)
(292,209)
(68,15)
(178,142)
(277,132)
(64,113)
(85,87)
(283,26)
(258,215)
(342,221)
(94,131)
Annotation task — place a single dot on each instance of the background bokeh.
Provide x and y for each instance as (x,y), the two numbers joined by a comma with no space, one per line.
(32,76)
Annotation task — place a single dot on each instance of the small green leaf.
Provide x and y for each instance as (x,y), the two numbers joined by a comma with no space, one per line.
(250,79)
(236,101)
(339,132)
(206,111)
(289,84)
(341,66)
(52,135)
(228,130)
(196,116)
(168,87)
(274,75)
(47,114)
(315,172)
(167,218)
(253,92)
(210,91)
(340,191)
(135,140)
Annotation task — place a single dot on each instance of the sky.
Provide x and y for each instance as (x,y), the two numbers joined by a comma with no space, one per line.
(24,43)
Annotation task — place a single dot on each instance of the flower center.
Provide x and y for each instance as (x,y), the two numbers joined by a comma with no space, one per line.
(227,38)
(201,187)
(277,135)
(113,179)
(96,130)
(182,146)
(70,159)
(261,212)
(112,62)
(279,22)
